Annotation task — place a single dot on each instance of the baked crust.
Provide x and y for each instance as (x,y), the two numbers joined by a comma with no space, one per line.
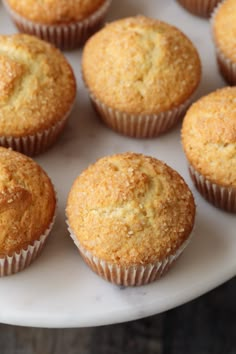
(130,209)
(224,28)
(209,136)
(55,11)
(27,201)
(37,86)
(139,65)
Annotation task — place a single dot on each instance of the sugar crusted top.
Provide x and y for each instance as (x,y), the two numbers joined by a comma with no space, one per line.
(55,11)
(34,78)
(27,201)
(140,65)
(224,28)
(130,209)
(209,136)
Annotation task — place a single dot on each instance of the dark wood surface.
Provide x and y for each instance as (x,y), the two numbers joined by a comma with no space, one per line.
(206,325)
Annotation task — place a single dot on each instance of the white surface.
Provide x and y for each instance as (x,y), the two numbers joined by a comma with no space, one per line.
(58,290)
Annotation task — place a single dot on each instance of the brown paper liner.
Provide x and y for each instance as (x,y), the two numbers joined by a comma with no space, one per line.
(140,125)
(21,260)
(134,275)
(35,144)
(64,36)
(220,196)
(202,8)
(226,66)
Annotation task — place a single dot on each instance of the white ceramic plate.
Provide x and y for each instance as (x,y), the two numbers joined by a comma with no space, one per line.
(58,290)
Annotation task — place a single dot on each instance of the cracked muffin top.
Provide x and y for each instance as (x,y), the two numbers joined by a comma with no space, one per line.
(141,65)
(27,201)
(55,11)
(209,136)
(130,209)
(34,78)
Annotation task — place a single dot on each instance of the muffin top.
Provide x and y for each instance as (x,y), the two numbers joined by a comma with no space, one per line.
(224,28)
(209,136)
(142,66)
(55,11)
(27,201)
(34,78)
(130,209)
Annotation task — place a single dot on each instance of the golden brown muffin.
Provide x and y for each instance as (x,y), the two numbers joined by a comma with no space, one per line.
(209,142)
(130,210)
(34,78)
(224,33)
(202,8)
(144,67)
(64,23)
(27,209)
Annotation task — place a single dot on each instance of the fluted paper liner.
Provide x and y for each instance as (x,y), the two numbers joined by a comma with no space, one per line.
(35,144)
(139,125)
(226,66)
(202,8)
(220,196)
(134,275)
(20,260)
(64,36)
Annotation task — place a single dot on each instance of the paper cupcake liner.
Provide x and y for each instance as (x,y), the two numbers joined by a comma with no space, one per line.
(139,125)
(64,36)
(220,196)
(227,68)
(22,259)
(202,8)
(134,275)
(35,144)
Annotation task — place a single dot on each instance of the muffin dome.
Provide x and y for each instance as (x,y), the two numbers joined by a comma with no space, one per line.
(130,209)
(224,28)
(34,78)
(142,66)
(27,202)
(209,136)
(224,33)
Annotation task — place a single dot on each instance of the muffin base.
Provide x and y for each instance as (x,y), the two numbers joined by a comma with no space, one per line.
(21,260)
(133,275)
(63,36)
(201,8)
(219,196)
(32,145)
(139,125)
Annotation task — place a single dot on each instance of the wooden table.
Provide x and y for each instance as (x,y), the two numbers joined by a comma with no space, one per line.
(204,326)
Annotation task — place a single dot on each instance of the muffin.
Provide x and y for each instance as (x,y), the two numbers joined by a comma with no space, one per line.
(34,78)
(224,33)
(202,8)
(27,210)
(209,142)
(65,23)
(130,216)
(146,71)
